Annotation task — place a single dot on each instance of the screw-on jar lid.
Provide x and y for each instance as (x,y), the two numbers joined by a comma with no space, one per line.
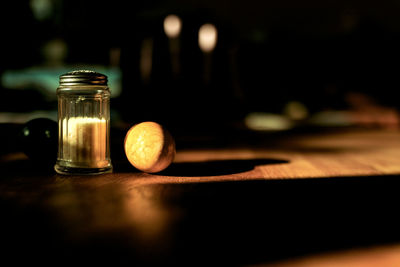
(83,77)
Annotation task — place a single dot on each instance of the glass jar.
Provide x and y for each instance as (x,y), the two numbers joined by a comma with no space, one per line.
(83,123)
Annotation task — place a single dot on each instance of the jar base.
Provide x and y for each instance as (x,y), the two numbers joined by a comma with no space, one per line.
(65,170)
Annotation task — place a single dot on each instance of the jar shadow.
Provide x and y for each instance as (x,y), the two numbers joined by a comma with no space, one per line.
(217,167)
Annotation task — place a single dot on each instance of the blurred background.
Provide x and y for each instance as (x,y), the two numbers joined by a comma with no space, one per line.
(206,66)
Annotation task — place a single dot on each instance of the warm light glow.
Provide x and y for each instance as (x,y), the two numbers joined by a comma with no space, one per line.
(84,141)
(296,110)
(147,214)
(172,26)
(207,37)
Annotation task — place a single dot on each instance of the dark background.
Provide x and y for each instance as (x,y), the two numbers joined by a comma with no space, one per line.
(318,53)
(327,55)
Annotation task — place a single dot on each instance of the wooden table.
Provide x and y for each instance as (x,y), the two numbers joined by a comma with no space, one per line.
(270,199)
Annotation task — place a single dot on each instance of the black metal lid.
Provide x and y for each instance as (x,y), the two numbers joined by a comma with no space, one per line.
(83,77)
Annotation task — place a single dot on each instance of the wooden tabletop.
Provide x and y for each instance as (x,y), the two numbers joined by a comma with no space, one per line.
(271,198)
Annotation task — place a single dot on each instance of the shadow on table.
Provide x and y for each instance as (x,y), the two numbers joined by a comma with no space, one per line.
(217,167)
(228,223)
(248,222)
(23,166)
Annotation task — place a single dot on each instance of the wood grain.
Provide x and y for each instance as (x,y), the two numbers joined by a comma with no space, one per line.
(388,256)
(354,153)
(268,200)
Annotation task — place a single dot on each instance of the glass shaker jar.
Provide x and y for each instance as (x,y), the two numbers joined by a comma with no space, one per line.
(83,123)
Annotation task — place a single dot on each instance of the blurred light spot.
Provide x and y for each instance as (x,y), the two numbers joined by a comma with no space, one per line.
(55,51)
(260,121)
(41,9)
(330,119)
(23,117)
(147,214)
(207,37)
(146,59)
(42,78)
(172,26)
(296,110)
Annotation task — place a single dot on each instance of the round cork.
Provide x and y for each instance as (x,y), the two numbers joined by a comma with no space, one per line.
(149,147)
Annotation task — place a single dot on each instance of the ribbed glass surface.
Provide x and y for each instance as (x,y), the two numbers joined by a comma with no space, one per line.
(84,129)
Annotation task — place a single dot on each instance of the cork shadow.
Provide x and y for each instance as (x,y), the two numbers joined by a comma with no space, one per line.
(217,167)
